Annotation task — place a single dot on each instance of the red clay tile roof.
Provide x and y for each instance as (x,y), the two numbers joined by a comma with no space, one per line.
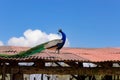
(96,54)
(67,54)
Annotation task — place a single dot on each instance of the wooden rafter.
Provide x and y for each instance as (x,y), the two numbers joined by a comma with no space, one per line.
(64,70)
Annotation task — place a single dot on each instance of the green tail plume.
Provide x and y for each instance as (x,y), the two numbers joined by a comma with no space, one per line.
(31,51)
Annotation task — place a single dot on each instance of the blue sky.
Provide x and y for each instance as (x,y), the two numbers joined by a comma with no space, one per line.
(87,23)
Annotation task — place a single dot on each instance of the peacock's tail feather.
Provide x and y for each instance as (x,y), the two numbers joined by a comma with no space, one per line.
(31,51)
(37,49)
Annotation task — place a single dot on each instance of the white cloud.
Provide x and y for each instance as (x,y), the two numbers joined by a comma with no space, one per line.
(33,37)
(1,43)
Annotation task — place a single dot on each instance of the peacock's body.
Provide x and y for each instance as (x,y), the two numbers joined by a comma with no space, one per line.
(56,44)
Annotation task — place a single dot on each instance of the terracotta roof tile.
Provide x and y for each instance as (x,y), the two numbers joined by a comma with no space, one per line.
(67,54)
(96,54)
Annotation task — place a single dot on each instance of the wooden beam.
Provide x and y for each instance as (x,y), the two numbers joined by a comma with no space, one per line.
(74,64)
(18,76)
(3,71)
(40,64)
(62,67)
(64,70)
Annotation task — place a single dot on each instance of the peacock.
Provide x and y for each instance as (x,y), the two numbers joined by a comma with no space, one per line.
(56,45)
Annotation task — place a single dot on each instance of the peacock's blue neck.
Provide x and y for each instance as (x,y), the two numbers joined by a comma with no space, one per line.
(63,36)
(60,45)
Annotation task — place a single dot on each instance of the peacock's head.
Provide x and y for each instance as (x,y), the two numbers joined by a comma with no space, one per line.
(60,30)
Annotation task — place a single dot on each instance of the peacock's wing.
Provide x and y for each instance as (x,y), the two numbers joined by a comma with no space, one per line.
(53,44)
